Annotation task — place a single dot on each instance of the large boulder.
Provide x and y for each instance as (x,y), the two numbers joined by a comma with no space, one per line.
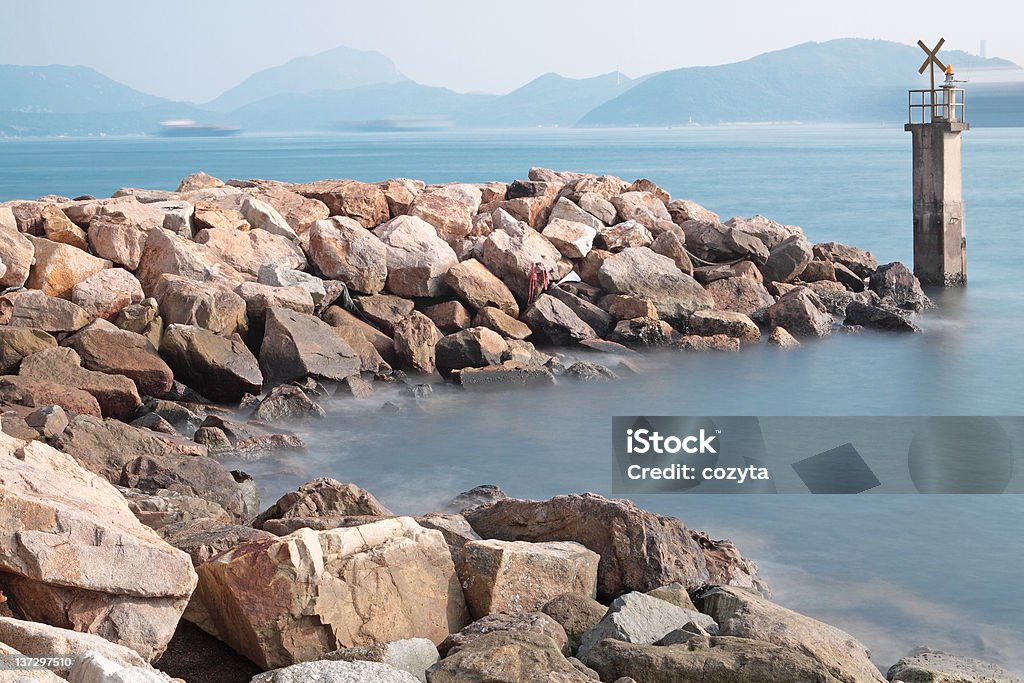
(323,497)
(300,212)
(861,262)
(263,216)
(534,622)
(104,294)
(895,282)
(365,203)
(118,239)
(451,216)
(502,323)
(18,342)
(715,242)
(57,227)
(480,288)
(417,258)
(517,576)
(623,236)
(741,294)
(641,272)
(15,254)
(249,250)
(576,613)
(34,309)
(799,311)
(415,340)
(878,317)
(260,297)
(573,239)
(187,475)
(513,256)
(567,210)
(344,250)
(554,322)
(639,550)
(59,267)
(787,260)
(682,210)
(40,394)
(298,345)
(74,556)
(385,310)
(206,305)
(934,666)
(765,229)
(743,614)
(120,352)
(475,347)
(600,320)
(708,323)
(41,640)
(672,243)
(167,253)
(116,394)
(219,368)
(400,193)
(306,594)
(507,657)
(334,671)
(644,208)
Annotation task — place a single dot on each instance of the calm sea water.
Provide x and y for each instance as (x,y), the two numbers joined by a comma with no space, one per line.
(896,571)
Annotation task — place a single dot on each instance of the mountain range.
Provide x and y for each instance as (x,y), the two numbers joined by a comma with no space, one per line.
(839,81)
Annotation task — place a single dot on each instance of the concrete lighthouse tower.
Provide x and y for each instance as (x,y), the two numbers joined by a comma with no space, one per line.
(936,120)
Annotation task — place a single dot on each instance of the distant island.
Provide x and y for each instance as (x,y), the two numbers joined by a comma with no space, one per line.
(847,80)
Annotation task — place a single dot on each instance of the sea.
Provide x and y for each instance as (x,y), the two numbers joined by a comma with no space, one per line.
(896,571)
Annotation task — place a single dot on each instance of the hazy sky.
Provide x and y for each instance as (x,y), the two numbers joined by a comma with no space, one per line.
(195,49)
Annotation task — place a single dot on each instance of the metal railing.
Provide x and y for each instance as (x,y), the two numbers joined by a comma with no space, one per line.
(941,104)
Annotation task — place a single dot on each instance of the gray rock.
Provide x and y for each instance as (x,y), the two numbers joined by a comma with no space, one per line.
(799,311)
(323,671)
(895,282)
(933,666)
(277,276)
(714,242)
(878,317)
(555,323)
(787,260)
(643,273)
(297,345)
(263,216)
(92,667)
(222,369)
(412,655)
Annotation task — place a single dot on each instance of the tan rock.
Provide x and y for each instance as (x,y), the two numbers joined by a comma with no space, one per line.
(16,252)
(710,322)
(693,343)
(118,240)
(512,257)
(247,251)
(590,266)
(643,207)
(167,253)
(323,497)
(399,194)
(42,640)
(451,216)
(344,250)
(492,192)
(209,216)
(782,339)
(502,323)
(417,259)
(572,239)
(58,228)
(116,394)
(34,309)
(741,294)
(300,213)
(626,307)
(415,339)
(672,243)
(338,317)
(62,532)
(298,597)
(449,316)
(37,394)
(682,210)
(120,352)
(209,306)
(480,288)
(104,294)
(261,215)
(18,342)
(59,267)
(199,181)
(365,203)
(259,297)
(516,576)
(297,345)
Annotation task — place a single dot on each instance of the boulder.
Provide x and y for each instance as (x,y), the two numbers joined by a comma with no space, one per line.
(361,201)
(626,307)
(639,550)
(572,239)
(38,394)
(259,297)
(309,593)
(555,323)
(344,250)
(59,267)
(16,252)
(451,216)
(643,619)
(726,566)
(818,271)
(643,207)
(587,371)
(576,613)
(449,316)
(861,262)
(623,236)
(475,347)
(167,253)
(517,576)
(42,640)
(743,614)
(590,266)
(770,232)
(567,210)
(332,671)
(708,274)
(411,655)
(502,323)
(643,332)
(164,507)
(385,310)
(220,368)
(205,539)
(323,497)
(199,181)
(348,326)
(643,273)
(715,242)
(119,352)
(934,666)
(277,276)
(415,339)
(18,342)
(710,322)
(105,293)
(878,317)
(298,345)
(287,402)
(300,212)
(206,305)
(740,294)
(515,373)
(530,622)
(118,239)
(787,260)
(799,311)
(474,284)
(36,310)
(782,339)
(895,282)
(211,216)
(597,205)
(417,258)
(116,394)
(188,476)
(400,192)
(682,210)
(671,243)
(262,216)
(693,343)
(248,251)
(62,529)
(514,256)
(57,227)
(595,316)
(507,657)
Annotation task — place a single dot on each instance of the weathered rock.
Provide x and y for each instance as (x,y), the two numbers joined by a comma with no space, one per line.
(211,216)
(37,394)
(576,613)
(327,671)
(693,343)
(36,310)
(641,272)
(643,619)
(770,232)
(94,667)
(220,368)
(726,566)
(16,253)
(62,529)
(878,317)
(590,266)
(310,593)
(639,550)
(116,394)
(626,307)
(787,260)
(186,475)
(48,420)
(300,212)
(643,332)
(934,666)
(451,216)
(18,342)
(895,282)
(344,250)
(449,316)
(417,258)
(531,622)
(259,298)
(415,339)
(507,657)
(709,322)
(104,294)
(643,207)
(623,236)
(649,186)
(682,210)
(671,243)
(476,347)
(297,345)
(59,267)
(41,640)
(276,276)
(205,539)
(587,371)
(478,495)
(597,205)
(857,260)
(164,507)
(321,498)
(714,242)
(745,615)
(782,339)
(708,274)
(385,310)
(505,374)
(206,305)
(248,251)
(287,402)
(167,253)
(57,227)
(348,325)
(400,192)
(199,181)
(118,240)
(479,288)
(263,216)
(572,239)
(817,271)
(119,352)
(799,311)
(591,314)
(555,323)
(740,294)
(566,210)
(365,203)
(513,257)
(411,655)
(502,323)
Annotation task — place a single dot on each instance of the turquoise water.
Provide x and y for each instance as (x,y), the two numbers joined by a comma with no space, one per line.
(896,571)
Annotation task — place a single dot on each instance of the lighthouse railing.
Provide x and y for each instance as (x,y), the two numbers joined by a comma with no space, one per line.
(939,105)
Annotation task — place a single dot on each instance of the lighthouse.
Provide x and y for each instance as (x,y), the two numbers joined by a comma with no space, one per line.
(936,121)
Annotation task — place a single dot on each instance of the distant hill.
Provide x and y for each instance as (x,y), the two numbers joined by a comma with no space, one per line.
(339,69)
(550,100)
(847,80)
(59,89)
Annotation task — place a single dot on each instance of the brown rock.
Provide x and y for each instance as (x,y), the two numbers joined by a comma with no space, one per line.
(57,227)
(452,217)
(300,212)
(205,539)
(211,216)
(344,250)
(18,342)
(59,267)
(643,332)
(512,257)
(727,567)
(365,203)
(449,316)
(16,253)
(508,657)
(640,272)
(787,260)
(590,266)
(259,297)
(642,207)
(166,253)
(118,239)
(119,352)
(497,622)
(799,311)
(321,498)
(740,294)
(502,323)
(219,368)
(247,251)
(622,235)
(554,322)
(385,310)
(645,185)
(199,181)
(208,305)
(716,342)
(476,347)
(349,324)
(782,339)
(399,193)
(861,262)
(104,294)
(415,339)
(479,288)
(708,323)
(769,232)
(34,309)
(116,394)
(597,205)
(573,239)
(626,307)
(671,243)
(37,394)
(682,210)
(417,258)
(577,613)
(297,345)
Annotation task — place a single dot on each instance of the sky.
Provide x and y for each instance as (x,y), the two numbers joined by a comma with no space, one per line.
(195,49)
